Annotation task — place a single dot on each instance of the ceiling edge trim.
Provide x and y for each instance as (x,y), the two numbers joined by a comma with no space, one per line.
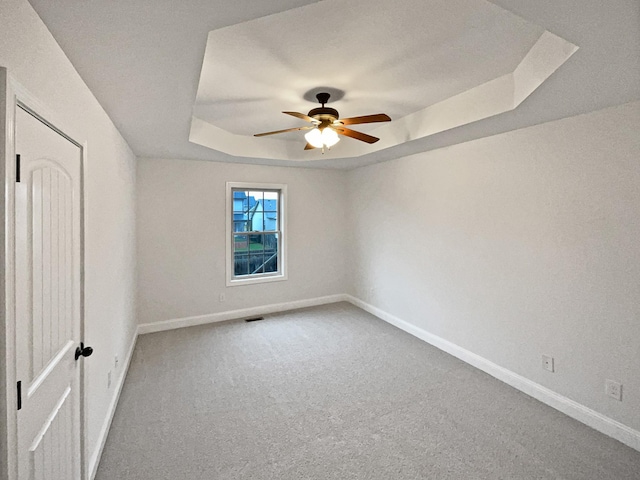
(494,97)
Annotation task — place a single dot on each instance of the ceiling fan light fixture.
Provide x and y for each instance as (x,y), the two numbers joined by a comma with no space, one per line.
(330,137)
(327,126)
(322,137)
(314,137)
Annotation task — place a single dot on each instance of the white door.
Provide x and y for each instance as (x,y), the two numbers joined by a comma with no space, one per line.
(48,201)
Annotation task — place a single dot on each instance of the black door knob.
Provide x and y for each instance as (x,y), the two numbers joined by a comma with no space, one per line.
(83,351)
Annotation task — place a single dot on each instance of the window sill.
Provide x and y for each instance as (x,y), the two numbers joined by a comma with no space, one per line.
(253,280)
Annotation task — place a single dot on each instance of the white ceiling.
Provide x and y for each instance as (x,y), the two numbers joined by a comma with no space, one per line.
(250,74)
(142,60)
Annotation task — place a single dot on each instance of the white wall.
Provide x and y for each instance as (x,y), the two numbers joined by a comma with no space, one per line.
(516,245)
(35,60)
(510,247)
(181,237)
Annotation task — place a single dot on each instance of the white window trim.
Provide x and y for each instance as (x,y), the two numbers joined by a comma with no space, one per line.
(282,212)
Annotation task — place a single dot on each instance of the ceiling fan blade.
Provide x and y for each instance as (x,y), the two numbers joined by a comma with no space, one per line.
(304,117)
(378,117)
(357,135)
(282,131)
(308,146)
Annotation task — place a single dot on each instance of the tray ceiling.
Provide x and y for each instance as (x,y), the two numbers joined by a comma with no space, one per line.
(143,61)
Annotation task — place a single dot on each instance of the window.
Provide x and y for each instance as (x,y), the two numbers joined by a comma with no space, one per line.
(255,233)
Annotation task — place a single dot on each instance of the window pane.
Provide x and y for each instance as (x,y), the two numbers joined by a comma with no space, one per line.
(257,263)
(271,263)
(239,225)
(271,211)
(240,256)
(270,242)
(240,243)
(271,252)
(256,243)
(257,221)
(239,201)
(241,264)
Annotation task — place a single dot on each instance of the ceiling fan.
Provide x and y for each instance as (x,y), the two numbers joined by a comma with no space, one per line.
(327,125)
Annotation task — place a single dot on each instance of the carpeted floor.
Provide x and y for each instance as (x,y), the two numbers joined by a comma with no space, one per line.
(334,393)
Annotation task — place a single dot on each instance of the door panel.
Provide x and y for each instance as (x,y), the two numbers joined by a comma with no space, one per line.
(48,287)
(50,451)
(51,265)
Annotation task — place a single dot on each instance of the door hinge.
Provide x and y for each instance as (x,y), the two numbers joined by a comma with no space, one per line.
(17,167)
(19,395)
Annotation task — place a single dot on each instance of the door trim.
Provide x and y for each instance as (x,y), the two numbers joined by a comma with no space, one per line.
(12,97)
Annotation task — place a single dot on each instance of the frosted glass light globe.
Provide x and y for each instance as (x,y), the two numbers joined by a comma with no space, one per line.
(314,137)
(330,137)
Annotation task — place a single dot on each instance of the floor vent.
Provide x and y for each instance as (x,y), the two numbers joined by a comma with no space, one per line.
(254,319)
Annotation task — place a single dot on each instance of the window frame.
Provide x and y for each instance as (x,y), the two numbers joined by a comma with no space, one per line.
(281,273)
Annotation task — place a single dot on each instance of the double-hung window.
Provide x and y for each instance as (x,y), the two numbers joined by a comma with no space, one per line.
(255,233)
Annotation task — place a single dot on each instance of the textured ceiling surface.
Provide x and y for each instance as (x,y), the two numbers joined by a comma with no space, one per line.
(142,59)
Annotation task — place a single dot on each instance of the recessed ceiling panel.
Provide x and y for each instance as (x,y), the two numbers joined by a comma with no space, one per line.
(394,57)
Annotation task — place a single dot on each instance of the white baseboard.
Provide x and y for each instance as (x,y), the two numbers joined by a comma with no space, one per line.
(237,314)
(94,459)
(595,420)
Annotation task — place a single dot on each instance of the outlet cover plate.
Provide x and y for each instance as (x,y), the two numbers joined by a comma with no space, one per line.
(547,363)
(613,389)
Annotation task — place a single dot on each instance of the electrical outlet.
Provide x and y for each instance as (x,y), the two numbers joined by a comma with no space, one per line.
(613,389)
(547,363)
(109,379)
(115,361)
(222,297)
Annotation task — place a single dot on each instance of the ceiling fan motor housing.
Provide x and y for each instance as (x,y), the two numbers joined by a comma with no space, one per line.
(324,113)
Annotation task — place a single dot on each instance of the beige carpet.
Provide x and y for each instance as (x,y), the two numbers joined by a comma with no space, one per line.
(334,393)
